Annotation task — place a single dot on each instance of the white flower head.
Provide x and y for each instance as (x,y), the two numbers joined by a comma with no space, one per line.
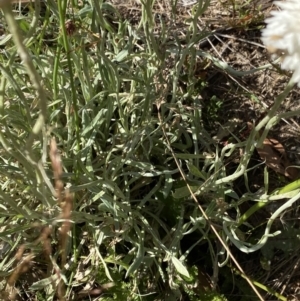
(282,35)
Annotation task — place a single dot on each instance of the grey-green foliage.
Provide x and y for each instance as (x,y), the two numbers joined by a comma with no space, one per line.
(112,97)
(102,101)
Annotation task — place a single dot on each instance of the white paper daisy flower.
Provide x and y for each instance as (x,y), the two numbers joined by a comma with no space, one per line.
(282,35)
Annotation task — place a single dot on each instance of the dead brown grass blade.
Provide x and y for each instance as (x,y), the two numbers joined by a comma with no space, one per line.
(23,266)
(65,201)
(274,154)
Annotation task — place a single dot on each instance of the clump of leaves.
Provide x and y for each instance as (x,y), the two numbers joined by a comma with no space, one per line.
(112,201)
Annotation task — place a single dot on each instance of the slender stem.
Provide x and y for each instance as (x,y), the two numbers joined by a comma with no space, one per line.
(55,72)
(34,76)
(62,13)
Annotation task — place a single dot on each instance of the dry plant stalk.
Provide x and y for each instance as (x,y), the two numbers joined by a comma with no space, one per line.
(11,291)
(66,226)
(46,241)
(23,267)
(26,262)
(57,170)
(65,201)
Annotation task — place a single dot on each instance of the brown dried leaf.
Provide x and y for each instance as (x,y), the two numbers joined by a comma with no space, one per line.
(273,153)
